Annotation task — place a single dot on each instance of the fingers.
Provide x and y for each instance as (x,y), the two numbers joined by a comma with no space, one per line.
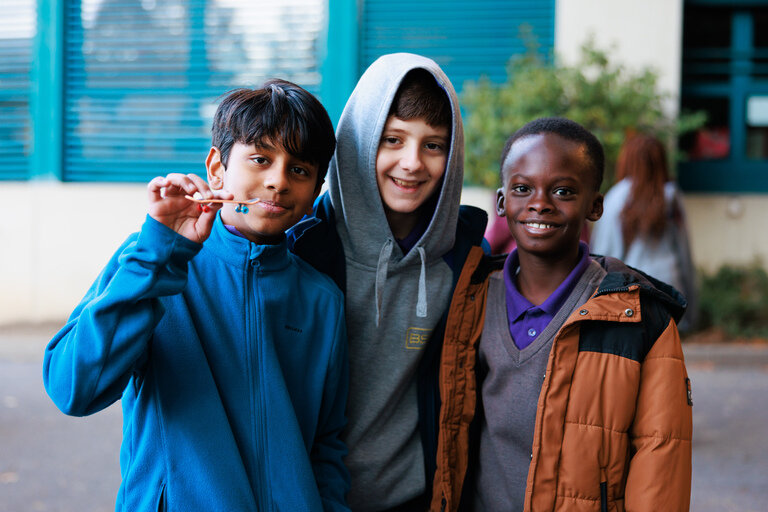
(205,221)
(176,184)
(155,187)
(200,187)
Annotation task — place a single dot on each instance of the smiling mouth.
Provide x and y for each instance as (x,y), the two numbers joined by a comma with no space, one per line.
(539,225)
(272,206)
(405,184)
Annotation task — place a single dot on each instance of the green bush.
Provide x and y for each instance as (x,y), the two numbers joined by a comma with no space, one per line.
(735,299)
(604,97)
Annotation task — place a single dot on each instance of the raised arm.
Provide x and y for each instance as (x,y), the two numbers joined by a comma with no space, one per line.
(90,361)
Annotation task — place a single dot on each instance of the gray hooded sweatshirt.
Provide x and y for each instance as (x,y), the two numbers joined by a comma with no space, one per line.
(393,300)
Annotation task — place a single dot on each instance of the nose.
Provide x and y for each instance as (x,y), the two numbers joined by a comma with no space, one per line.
(410,159)
(276,178)
(540,202)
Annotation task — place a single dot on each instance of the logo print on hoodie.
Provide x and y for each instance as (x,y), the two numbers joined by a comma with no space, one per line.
(416,338)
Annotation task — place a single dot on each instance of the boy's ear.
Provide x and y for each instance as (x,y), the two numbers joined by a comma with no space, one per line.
(500,210)
(597,208)
(215,168)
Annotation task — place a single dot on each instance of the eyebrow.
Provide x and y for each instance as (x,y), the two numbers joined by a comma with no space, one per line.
(518,176)
(263,145)
(402,130)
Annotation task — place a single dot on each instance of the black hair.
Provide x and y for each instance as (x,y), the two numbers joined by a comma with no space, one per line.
(567,129)
(281,112)
(421,97)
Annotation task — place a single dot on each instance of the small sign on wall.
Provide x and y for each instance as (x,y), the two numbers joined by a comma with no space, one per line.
(757,111)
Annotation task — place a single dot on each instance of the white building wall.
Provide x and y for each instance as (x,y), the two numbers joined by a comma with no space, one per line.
(638,34)
(56,238)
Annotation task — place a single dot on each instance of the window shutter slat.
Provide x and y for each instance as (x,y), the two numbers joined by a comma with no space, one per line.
(466,38)
(17,33)
(143,76)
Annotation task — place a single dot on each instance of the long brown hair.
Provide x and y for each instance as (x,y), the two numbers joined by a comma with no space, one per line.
(643,160)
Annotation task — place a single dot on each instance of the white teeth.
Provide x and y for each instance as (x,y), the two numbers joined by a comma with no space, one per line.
(408,184)
(539,226)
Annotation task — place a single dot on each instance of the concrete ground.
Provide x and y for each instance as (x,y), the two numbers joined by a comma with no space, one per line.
(52,462)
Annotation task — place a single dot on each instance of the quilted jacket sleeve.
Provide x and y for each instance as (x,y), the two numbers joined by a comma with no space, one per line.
(659,476)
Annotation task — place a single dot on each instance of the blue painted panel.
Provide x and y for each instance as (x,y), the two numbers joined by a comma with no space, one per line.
(732,73)
(466,38)
(723,176)
(340,59)
(143,78)
(17,34)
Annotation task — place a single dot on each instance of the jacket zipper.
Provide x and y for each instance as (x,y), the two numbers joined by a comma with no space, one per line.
(603,491)
(256,387)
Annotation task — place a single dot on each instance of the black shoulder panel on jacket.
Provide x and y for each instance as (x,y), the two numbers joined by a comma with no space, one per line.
(626,339)
(487,265)
(471,224)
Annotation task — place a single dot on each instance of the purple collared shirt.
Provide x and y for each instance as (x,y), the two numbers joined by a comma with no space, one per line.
(526,320)
(234,230)
(407,243)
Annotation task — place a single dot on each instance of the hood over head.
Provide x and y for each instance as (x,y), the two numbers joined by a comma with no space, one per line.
(361,220)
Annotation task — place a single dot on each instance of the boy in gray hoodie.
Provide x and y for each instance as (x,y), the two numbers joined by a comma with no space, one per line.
(391,233)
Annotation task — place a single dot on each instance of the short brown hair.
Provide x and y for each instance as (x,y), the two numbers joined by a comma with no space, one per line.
(279,111)
(567,129)
(421,97)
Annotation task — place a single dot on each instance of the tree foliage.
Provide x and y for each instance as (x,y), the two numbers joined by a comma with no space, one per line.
(605,97)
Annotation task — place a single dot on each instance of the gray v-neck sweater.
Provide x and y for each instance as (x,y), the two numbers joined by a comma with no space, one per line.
(511,383)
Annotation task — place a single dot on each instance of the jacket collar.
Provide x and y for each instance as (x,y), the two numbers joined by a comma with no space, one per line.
(622,277)
(239,251)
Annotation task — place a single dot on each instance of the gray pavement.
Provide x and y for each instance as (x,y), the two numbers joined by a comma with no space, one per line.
(52,462)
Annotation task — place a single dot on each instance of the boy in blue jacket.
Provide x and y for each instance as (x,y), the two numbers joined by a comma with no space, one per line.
(391,233)
(227,351)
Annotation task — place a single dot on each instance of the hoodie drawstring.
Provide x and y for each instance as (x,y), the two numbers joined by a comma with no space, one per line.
(381,275)
(421,304)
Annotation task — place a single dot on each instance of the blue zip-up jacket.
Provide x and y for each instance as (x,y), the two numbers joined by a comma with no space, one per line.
(316,240)
(230,360)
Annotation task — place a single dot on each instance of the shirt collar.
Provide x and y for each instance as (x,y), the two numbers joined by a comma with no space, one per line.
(517,304)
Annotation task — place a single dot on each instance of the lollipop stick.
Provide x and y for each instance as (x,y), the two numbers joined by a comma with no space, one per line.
(233,201)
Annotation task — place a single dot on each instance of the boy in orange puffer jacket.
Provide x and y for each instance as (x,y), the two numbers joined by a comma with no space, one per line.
(563,384)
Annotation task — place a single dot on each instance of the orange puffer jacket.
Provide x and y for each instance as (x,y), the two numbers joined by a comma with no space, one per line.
(613,423)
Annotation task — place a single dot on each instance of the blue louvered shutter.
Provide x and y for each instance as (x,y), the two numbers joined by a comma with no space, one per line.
(17,33)
(467,38)
(142,77)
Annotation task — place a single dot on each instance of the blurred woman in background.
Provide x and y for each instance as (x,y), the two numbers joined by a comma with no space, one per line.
(643,222)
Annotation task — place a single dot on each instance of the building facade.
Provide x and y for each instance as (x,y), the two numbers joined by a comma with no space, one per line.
(99,96)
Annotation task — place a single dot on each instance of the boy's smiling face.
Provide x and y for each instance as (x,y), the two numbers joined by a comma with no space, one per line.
(285,186)
(410,163)
(549,190)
